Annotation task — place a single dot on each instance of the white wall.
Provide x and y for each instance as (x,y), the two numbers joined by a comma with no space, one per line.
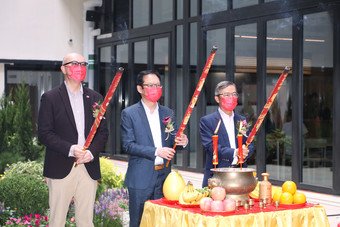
(40,29)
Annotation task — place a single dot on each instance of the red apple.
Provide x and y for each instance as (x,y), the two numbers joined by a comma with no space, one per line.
(229,205)
(217,206)
(205,203)
(218,193)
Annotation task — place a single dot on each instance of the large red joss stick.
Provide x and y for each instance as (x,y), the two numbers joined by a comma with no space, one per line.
(268,104)
(103,107)
(195,95)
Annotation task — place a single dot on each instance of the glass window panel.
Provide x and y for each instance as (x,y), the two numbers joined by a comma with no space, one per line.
(193,8)
(217,38)
(122,53)
(179,86)
(179,44)
(243,3)
(318,99)
(213,6)
(179,9)
(161,64)
(162,11)
(161,51)
(278,126)
(193,44)
(140,52)
(193,75)
(141,13)
(105,54)
(217,71)
(104,83)
(245,73)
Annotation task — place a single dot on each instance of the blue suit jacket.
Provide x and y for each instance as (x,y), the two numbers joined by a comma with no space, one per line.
(138,143)
(208,125)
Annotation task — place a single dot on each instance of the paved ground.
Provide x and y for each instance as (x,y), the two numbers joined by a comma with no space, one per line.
(330,202)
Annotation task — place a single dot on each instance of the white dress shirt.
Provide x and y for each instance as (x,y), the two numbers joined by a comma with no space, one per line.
(154,123)
(229,124)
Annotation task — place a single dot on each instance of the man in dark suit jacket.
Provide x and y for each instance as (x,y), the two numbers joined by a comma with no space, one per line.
(226,96)
(65,119)
(148,133)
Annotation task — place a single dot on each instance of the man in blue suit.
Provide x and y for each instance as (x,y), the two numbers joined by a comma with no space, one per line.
(226,96)
(148,133)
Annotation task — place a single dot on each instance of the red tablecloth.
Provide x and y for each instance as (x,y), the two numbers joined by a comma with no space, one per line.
(255,209)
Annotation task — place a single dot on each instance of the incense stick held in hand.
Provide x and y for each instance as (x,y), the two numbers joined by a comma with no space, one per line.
(103,108)
(268,104)
(195,95)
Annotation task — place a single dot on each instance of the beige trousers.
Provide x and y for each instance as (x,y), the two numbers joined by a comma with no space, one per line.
(77,185)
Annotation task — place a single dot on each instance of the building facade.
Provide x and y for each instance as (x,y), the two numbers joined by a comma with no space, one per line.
(36,35)
(256,39)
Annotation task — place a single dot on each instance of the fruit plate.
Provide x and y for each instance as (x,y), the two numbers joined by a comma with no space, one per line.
(291,206)
(189,205)
(171,202)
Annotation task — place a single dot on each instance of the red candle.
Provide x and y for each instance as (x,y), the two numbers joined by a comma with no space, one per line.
(215,150)
(240,150)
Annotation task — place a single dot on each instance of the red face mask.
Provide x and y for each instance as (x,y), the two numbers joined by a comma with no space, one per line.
(228,103)
(153,94)
(77,73)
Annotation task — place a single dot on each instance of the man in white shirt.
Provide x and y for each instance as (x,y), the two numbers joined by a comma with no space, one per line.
(226,96)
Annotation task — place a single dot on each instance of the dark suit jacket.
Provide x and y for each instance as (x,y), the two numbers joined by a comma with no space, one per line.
(57,131)
(208,125)
(138,143)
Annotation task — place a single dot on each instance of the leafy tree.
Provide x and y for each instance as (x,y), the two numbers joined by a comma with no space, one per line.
(16,119)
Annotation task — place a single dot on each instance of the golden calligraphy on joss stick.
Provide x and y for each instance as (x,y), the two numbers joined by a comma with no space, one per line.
(268,104)
(103,108)
(195,95)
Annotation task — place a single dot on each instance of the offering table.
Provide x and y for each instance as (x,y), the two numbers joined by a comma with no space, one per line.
(163,213)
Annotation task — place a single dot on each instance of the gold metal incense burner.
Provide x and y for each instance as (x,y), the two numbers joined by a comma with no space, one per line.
(237,182)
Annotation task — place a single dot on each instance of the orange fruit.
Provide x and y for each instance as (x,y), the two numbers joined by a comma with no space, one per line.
(277,195)
(299,198)
(286,198)
(289,186)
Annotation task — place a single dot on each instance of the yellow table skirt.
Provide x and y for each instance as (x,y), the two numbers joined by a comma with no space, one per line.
(155,215)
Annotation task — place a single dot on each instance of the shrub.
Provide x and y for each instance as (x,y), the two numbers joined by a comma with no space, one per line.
(24,193)
(7,158)
(110,177)
(110,206)
(32,168)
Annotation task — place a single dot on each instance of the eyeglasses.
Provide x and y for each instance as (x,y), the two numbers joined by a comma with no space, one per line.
(228,94)
(76,63)
(152,85)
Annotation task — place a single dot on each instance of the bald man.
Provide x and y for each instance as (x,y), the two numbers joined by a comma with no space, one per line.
(65,119)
